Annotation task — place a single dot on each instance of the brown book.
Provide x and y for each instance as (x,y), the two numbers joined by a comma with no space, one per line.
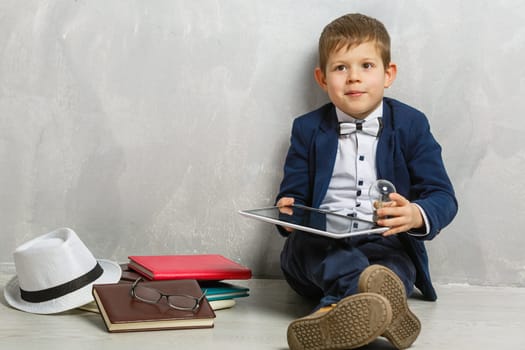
(122,312)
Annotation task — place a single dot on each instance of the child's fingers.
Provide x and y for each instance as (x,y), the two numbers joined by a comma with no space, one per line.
(399,199)
(284,205)
(285,202)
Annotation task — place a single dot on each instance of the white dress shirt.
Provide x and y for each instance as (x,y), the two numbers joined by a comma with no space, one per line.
(354,172)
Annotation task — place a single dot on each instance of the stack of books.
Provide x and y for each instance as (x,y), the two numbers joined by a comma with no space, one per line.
(210,270)
(165,275)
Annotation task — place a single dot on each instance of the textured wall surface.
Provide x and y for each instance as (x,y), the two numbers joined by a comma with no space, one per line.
(146,125)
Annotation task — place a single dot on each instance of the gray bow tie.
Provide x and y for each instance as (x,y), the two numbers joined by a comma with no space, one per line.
(372,127)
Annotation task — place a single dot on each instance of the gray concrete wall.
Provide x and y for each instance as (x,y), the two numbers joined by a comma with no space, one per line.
(146,125)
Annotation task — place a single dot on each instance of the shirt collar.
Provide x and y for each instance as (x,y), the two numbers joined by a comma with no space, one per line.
(342,117)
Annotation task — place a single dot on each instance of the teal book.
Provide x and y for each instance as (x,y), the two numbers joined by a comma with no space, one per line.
(217,290)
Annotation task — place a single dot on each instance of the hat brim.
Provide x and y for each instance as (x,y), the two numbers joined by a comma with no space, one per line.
(82,296)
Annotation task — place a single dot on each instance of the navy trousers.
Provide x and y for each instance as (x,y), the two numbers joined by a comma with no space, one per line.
(329,269)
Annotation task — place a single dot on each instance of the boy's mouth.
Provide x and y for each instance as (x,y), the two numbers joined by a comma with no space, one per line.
(354,93)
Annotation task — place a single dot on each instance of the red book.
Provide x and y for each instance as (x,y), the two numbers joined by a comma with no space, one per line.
(199,267)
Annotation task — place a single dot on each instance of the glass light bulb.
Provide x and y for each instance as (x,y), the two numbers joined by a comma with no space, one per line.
(379,194)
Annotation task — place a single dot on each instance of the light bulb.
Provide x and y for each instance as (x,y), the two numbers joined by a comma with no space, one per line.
(379,194)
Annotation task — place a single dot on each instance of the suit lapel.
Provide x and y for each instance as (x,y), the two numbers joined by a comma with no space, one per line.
(385,146)
(325,154)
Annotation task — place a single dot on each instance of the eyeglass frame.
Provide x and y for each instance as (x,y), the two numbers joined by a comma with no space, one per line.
(193,309)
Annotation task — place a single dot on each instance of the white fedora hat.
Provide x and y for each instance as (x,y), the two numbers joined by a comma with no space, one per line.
(55,273)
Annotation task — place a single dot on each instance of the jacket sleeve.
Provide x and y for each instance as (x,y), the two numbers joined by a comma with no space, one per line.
(430,186)
(296,178)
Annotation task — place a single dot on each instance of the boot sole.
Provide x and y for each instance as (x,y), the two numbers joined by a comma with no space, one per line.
(353,322)
(405,326)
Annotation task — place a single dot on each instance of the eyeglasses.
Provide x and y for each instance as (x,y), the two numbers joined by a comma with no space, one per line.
(176,301)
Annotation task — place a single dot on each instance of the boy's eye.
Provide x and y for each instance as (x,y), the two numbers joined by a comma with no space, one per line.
(368,65)
(340,67)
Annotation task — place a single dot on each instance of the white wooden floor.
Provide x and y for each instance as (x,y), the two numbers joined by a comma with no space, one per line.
(464,317)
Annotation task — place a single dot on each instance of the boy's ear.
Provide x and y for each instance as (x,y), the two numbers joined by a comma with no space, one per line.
(390,74)
(320,78)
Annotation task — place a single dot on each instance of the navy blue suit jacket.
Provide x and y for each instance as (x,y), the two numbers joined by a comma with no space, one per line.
(407,155)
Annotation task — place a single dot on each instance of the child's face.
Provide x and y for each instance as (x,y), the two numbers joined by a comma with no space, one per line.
(355,79)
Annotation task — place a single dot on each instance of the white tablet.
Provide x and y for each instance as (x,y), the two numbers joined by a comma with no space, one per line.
(317,221)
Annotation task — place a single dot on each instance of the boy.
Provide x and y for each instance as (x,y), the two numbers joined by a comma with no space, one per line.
(362,283)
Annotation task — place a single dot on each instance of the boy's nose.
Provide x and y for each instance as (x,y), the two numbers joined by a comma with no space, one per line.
(353,76)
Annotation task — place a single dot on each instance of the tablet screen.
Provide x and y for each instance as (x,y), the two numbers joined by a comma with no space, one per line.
(321,222)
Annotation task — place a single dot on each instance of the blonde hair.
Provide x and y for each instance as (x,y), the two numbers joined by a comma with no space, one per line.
(352,30)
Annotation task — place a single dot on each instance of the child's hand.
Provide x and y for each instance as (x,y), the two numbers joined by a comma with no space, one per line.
(399,214)
(284,205)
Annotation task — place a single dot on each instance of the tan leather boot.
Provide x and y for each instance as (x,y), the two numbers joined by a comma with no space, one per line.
(405,326)
(353,322)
